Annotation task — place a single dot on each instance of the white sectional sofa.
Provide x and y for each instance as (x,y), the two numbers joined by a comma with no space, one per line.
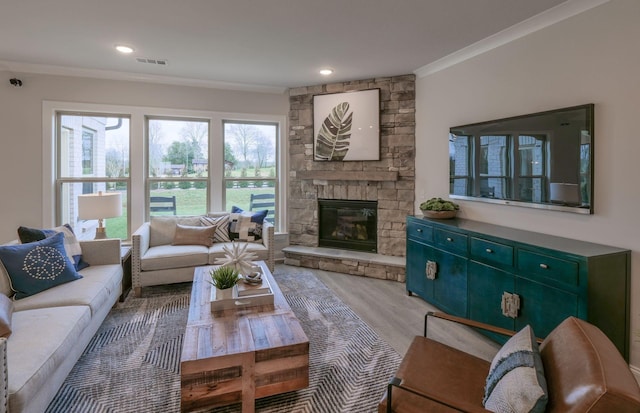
(51,329)
(155,261)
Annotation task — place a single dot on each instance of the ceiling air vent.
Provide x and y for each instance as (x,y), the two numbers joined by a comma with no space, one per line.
(161,62)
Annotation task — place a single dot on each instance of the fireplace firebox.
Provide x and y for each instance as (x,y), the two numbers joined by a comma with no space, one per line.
(348,224)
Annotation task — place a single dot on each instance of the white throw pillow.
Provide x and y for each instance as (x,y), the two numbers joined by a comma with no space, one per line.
(516,382)
(222,227)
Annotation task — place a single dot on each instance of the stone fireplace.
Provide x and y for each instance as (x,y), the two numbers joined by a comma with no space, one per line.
(389,181)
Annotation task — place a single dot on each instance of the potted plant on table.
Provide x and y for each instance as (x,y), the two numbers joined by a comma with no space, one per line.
(224,279)
(439,208)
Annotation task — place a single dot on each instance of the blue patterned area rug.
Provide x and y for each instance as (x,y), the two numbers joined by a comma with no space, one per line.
(133,362)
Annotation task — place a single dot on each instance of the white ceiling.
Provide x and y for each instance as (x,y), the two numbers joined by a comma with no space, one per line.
(265,45)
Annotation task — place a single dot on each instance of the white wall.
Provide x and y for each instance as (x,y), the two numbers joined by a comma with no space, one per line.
(21,154)
(590,58)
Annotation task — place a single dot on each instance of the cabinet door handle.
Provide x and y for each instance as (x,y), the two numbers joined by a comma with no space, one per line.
(489,250)
(449,239)
(419,230)
(510,304)
(431,270)
(544,266)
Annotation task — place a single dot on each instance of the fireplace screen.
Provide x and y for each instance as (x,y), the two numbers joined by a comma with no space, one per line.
(348,224)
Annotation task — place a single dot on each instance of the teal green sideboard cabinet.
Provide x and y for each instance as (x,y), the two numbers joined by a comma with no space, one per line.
(510,278)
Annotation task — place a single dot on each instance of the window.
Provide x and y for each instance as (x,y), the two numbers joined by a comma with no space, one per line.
(531,166)
(162,161)
(250,166)
(585,165)
(494,166)
(178,166)
(87,151)
(92,156)
(459,170)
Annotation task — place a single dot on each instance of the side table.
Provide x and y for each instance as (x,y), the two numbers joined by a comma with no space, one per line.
(125,255)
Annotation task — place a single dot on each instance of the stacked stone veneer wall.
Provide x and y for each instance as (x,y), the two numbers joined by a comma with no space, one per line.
(397,153)
(352,266)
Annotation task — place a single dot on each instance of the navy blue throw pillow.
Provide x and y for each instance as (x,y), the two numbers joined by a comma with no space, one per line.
(37,266)
(71,243)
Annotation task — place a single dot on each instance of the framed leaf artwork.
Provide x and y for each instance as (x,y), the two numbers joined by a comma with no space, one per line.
(346,126)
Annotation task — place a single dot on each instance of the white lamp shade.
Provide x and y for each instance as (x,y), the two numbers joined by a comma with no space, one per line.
(100,205)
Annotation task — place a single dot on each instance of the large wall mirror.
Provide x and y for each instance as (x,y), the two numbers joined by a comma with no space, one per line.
(541,160)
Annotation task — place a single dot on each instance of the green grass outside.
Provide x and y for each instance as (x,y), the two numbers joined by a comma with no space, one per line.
(188,202)
(237,173)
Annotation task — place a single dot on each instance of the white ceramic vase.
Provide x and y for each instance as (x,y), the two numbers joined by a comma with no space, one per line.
(225,294)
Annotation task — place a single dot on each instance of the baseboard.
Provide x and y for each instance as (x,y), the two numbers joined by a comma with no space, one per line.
(636,372)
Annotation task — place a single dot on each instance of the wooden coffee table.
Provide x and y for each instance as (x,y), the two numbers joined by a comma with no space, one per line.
(240,355)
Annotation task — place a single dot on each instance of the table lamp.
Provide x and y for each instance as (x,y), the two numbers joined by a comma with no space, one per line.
(100,206)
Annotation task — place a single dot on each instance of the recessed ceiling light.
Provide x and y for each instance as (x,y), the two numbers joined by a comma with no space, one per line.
(326,72)
(124,49)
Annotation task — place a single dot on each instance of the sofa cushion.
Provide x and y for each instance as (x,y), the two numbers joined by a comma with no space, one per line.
(222,227)
(162,229)
(39,344)
(6,311)
(516,380)
(5,282)
(190,235)
(71,243)
(109,275)
(246,226)
(93,290)
(37,266)
(174,256)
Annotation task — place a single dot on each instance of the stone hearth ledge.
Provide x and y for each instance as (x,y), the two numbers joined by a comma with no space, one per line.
(365,264)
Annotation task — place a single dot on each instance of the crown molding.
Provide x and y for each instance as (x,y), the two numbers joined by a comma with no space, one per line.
(19,67)
(547,18)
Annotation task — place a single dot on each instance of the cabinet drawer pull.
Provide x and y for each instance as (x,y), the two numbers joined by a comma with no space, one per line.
(419,230)
(489,250)
(544,266)
(449,239)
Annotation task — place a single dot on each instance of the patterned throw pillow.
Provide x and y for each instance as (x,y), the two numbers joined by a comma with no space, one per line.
(516,380)
(37,266)
(222,227)
(246,226)
(71,243)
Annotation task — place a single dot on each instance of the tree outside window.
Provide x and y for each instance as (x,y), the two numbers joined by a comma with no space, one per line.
(178,166)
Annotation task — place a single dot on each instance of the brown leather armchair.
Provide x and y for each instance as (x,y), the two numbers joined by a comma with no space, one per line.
(583,369)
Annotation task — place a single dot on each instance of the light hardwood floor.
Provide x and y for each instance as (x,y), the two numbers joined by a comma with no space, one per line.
(397,317)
